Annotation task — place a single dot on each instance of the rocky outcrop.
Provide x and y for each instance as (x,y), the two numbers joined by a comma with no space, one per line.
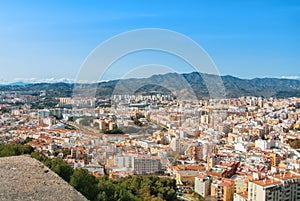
(24,178)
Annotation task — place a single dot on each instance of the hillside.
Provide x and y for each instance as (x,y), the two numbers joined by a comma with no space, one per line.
(178,84)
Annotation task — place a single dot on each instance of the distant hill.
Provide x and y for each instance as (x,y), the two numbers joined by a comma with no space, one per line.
(172,83)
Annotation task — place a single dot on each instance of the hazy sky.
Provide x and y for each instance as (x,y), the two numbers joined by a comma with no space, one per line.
(51,39)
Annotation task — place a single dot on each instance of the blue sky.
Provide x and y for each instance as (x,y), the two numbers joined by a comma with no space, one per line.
(51,39)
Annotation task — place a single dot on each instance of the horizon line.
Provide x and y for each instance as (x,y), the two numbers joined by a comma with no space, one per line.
(27,81)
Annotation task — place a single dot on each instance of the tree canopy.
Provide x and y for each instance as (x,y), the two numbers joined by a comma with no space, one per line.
(14,149)
(135,188)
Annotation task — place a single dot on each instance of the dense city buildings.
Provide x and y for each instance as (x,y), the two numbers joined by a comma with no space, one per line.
(238,149)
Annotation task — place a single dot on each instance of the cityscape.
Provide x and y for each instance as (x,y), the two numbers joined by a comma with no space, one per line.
(244,148)
(120,101)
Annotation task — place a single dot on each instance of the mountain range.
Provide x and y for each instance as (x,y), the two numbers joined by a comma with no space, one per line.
(171,83)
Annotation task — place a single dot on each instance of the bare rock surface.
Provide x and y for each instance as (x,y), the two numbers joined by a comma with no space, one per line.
(24,178)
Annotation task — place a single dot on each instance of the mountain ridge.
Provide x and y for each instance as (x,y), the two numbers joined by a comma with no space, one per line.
(180,83)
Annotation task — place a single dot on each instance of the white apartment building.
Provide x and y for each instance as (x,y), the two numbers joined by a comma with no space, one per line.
(146,165)
(202,185)
(123,161)
(264,144)
(284,186)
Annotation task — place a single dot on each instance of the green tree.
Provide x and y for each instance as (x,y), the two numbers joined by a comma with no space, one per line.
(28,139)
(66,152)
(61,168)
(85,183)
(38,156)
(14,150)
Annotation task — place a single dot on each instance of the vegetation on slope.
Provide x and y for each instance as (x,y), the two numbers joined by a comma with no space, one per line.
(136,188)
(170,83)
